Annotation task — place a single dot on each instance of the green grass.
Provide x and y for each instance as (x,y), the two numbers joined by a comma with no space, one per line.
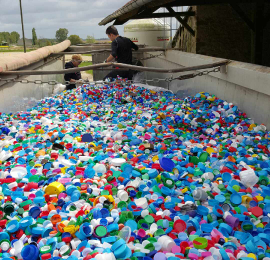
(14,50)
(88,63)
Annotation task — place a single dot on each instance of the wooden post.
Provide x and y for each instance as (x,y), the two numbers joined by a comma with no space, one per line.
(24,47)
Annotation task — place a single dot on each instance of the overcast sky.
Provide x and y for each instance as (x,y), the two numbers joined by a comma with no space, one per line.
(80,17)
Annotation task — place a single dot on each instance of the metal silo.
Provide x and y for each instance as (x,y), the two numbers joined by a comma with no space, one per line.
(152,32)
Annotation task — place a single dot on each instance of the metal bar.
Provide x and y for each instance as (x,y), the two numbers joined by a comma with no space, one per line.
(115,65)
(243,16)
(182,21)
(24,47)
(141,50)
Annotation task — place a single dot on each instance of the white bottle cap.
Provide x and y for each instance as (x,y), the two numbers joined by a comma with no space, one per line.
(122,195)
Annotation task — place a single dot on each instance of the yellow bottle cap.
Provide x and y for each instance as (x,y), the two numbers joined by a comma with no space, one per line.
(55,188)
(252,256)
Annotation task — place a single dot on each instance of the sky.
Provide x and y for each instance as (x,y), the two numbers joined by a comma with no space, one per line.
(80,17)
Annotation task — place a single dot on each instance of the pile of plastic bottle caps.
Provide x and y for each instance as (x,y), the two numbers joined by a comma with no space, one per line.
(118,171)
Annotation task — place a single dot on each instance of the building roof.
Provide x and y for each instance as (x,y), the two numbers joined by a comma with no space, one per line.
(139,9)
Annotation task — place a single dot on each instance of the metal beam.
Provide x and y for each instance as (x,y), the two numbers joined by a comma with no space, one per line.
(243,15)
(182,21)
(163,15)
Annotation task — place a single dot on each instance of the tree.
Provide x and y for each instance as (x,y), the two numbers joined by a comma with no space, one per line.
(14,37)
(90,39)
(48,43)
(75,39)
(34,37)
(61,34)
(5,36)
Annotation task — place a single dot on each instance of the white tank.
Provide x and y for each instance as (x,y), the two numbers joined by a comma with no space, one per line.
(152,32)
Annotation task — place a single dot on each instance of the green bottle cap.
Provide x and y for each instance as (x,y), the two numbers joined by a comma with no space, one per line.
(101,231)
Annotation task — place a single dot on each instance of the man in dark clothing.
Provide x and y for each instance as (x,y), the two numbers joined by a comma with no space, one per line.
(73,77)
(121,52)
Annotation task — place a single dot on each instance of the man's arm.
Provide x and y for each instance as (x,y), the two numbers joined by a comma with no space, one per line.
(134,46)
(113,55)
(110,58)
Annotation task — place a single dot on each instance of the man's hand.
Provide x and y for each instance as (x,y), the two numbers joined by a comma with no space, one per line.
(79,82)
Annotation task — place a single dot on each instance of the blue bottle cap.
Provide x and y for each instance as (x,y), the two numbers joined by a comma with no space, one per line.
(132,224)
(166,164)
(153,173)
(201,210)
(117,244)
(4,235)
(30,252)
(87,138)
(26,222)
(34,212)
(12,226)
(236,199)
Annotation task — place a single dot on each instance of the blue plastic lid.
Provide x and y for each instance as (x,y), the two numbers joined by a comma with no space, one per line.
(236,199)
(226,177)
(132,224)
(34,212)
(166,164)
(87,138)
(220,198)
(30,252)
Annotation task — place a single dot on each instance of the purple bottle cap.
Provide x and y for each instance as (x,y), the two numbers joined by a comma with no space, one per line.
(232,221)
(160,256)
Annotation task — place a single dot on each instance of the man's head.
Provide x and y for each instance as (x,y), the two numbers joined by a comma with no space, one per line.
(76,60)
(112,32)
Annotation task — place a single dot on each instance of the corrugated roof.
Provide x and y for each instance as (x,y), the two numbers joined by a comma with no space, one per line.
(128,7)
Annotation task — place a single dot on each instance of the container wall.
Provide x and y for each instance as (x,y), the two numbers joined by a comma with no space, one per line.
(19,97)
(245,85)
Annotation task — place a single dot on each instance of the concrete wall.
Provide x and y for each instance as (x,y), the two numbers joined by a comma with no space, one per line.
(245,85)
(19,97)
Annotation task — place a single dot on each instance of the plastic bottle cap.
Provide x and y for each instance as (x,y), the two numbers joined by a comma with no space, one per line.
(236,199)
(55,188)
(167,164)
(118,161)
(200,242)
(100,231)
(87,138)
(179,225)
(160,256)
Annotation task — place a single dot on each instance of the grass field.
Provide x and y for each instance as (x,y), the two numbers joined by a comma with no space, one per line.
(83,64)
(16,49)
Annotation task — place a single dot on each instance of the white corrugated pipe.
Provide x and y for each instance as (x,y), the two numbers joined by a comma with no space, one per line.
(24,59)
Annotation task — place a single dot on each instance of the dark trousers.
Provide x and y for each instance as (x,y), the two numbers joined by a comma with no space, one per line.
(70,86)
(121,73)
